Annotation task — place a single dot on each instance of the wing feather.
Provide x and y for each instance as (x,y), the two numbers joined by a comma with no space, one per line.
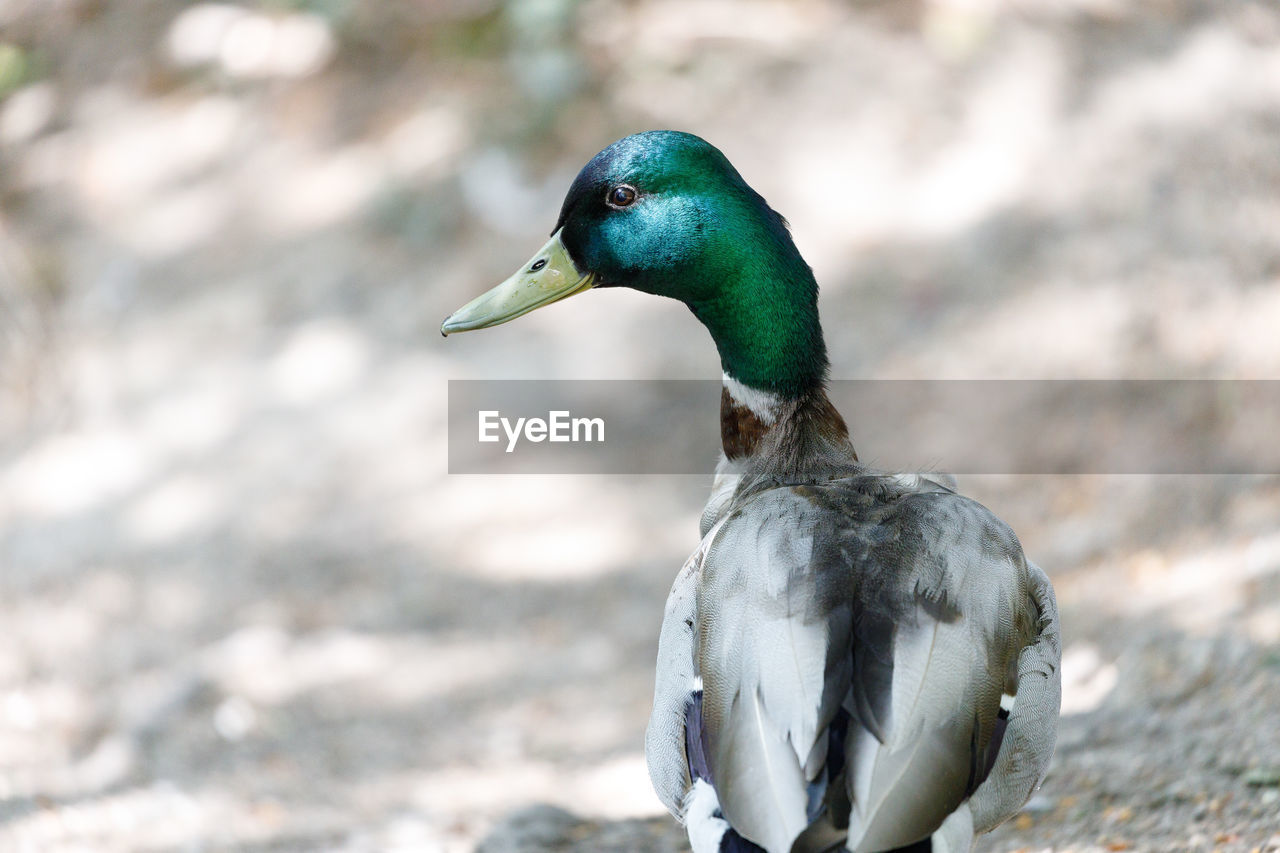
(1032,728)
(664,740)
(761,787)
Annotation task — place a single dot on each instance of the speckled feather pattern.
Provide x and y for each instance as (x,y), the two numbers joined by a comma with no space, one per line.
(822,588)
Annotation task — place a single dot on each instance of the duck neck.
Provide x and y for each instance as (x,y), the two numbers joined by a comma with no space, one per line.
(774,407)
(764,320)
(790,435)
(759,300)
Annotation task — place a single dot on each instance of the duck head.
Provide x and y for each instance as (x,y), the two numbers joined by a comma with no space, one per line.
(666,213)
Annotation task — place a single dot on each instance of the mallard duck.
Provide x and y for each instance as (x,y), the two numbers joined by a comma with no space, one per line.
(851,659)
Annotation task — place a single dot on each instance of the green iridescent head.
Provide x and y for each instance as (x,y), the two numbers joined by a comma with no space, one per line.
(666,213)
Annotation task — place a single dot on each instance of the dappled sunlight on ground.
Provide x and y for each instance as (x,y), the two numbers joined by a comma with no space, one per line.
(246,605)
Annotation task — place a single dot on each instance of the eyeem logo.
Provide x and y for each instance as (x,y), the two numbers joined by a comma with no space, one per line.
(558,427)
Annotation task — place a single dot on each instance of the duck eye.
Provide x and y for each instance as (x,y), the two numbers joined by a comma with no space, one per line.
(621,196)
(538,264)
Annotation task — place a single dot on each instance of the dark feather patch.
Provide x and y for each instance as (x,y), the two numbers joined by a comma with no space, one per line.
(836,734)
(741,430)
(872,685)
(993,745)
(936,602)
(732,842)
(694,741)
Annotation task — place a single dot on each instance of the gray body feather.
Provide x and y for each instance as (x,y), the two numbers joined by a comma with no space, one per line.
(888,601)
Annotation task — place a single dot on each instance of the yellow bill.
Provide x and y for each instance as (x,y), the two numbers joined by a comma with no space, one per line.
(548,277)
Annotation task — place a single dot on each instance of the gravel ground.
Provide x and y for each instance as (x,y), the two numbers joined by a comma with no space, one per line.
(246,607)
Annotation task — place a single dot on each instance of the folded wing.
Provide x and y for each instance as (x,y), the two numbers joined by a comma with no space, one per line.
(871,618)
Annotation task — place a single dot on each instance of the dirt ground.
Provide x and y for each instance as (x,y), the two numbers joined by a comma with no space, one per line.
(245,607)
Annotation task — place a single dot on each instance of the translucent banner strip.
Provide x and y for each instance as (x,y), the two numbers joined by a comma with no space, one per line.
(957,426)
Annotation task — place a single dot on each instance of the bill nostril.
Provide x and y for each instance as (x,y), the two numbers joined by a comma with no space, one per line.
(538,264)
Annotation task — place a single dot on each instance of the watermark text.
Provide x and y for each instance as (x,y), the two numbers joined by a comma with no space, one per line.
(558,426)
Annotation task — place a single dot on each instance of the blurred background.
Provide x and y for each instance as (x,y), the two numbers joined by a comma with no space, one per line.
(245,607)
